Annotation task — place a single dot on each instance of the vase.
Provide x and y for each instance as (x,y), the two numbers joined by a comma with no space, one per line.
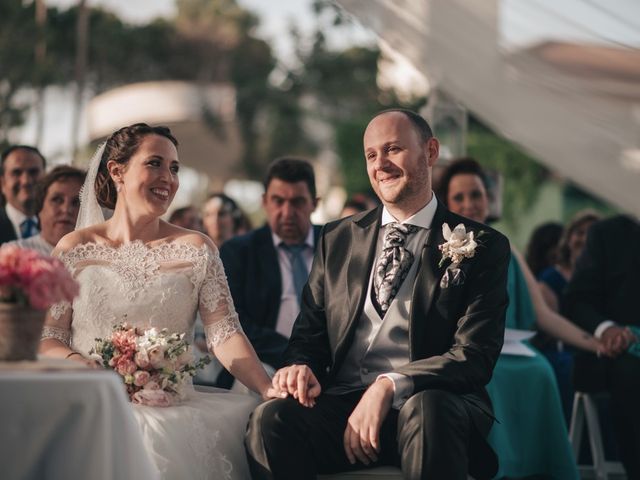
(20,330)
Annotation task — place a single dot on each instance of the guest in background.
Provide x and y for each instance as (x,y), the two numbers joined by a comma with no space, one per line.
(553,279)
(542,251)
(222,218)
(602,297)
(57,202)
(20,168)
(187,217)
(268,267)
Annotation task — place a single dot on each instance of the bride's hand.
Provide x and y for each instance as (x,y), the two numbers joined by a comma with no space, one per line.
(89,362)
(271,392)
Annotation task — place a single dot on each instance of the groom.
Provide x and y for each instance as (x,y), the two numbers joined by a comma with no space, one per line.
(389,356)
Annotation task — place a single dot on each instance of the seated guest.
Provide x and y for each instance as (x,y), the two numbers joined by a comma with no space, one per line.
(602,297)
(553,280)
(57,204)
(186,217)
(20,168)
(542,254)
(542,250)
(222,218)
(268,267)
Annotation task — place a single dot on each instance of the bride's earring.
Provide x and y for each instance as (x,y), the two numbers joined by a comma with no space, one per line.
(118,187)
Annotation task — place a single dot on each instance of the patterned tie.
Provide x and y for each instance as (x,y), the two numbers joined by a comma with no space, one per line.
(393,264)
(298,266)
(28,228)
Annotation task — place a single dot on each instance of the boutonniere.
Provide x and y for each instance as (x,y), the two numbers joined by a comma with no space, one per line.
(459,245)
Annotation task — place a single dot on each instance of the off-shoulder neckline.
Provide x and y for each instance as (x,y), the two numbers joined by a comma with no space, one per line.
(151,246)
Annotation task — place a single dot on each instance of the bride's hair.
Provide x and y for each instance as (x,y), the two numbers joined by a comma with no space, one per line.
(120,147)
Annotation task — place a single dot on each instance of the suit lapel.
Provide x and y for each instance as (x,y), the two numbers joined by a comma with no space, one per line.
(427,280)
(364,235)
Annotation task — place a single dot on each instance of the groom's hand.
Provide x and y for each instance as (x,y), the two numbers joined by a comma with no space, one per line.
(362,435)
(298,381)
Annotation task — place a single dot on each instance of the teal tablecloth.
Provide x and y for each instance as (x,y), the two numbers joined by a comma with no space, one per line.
(531,438)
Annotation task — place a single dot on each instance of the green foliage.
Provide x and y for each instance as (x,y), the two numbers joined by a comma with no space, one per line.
(521,174)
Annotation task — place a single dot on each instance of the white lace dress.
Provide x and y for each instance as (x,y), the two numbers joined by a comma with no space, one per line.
(163,286)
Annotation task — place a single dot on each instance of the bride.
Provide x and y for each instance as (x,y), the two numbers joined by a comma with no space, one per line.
(140,269)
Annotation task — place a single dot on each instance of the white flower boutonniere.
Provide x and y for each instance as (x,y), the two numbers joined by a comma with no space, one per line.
(459,245)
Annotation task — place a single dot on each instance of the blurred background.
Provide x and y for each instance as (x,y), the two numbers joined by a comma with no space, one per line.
(545,94)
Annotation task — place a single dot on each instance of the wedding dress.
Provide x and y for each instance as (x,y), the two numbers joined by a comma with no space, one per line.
(163,286)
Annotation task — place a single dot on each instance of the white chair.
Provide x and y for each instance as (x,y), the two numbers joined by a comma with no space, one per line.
(584,408)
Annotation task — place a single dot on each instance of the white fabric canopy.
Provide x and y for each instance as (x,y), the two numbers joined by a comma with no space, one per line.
(561,79)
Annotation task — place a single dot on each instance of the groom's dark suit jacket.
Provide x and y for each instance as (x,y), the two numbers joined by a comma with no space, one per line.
(7,232)
(455,333)
(253,272)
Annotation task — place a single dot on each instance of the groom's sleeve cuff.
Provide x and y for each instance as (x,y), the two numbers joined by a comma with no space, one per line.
(402,388)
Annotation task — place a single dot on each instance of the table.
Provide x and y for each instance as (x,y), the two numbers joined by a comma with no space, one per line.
(68,424)
(531,438)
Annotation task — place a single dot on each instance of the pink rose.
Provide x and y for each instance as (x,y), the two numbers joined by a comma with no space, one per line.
(152,398)
(142,359)
(152,385)
(126,367)
(140,378)
(156,356)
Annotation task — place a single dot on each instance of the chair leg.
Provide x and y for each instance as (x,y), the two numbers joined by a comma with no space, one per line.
(576,428)
(595,438)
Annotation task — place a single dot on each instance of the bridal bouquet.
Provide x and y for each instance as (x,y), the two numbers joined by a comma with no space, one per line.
(29,279)
(155,365)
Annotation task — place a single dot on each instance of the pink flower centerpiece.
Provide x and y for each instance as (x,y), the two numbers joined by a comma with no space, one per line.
(30,283)
(155,365)
(28,278)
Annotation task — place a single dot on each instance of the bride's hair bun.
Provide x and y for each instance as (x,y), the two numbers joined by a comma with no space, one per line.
(120,147)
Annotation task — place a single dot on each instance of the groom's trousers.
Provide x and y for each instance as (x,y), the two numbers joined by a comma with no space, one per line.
(431,437)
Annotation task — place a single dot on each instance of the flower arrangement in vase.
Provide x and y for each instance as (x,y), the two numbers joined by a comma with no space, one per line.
(30,283)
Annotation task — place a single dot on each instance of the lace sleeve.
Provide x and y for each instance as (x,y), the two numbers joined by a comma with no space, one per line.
(57,324)
(218,314)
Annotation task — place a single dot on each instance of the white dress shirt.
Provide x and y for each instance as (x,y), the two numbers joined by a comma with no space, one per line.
(289,302)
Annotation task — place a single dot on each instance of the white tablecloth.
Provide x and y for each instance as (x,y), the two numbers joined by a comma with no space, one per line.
(68,424)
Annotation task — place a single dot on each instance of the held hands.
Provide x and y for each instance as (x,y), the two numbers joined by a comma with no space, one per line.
(297,381)
(616,340)
(362,435)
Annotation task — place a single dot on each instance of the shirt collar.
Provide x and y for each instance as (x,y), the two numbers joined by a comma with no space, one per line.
(309,241)
(422,218)
(16,216)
